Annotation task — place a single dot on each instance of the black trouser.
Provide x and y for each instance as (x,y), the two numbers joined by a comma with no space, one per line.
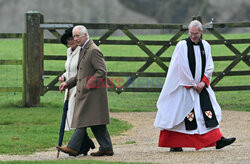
(101,134)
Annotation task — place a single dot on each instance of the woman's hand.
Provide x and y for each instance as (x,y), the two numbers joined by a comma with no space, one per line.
(61,79)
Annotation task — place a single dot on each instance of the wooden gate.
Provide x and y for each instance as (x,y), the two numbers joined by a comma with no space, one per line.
(152,57)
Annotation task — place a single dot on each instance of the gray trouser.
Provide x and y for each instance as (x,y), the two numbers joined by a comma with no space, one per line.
(101,134)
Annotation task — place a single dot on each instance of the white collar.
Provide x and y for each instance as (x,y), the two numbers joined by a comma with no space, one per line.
(85,43)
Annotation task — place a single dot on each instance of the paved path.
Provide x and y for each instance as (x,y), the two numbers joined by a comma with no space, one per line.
(144,137)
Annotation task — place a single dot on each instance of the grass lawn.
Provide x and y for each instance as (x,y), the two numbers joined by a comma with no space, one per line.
(26,130)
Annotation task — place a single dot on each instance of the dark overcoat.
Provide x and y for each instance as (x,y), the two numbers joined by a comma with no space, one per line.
(91,105)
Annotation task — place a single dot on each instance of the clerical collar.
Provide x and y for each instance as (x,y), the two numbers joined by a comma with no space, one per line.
(194,42)
(85,43)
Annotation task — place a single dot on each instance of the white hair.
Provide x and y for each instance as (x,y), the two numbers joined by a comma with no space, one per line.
(195,23)
(83,30)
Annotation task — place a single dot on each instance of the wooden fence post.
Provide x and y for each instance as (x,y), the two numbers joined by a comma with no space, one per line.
(33,59)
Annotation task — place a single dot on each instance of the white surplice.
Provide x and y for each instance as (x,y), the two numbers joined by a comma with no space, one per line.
(71,70)
(175,101)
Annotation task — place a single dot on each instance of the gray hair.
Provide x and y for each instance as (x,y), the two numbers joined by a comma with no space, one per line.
(83,30)
(195,23)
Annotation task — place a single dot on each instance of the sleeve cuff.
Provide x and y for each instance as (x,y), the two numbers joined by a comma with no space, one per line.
(205,80)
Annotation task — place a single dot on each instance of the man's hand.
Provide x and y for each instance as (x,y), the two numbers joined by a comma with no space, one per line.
(63,86)
(61,79)
(199,87)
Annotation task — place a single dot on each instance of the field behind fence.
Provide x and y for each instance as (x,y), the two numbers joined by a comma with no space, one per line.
(11,73)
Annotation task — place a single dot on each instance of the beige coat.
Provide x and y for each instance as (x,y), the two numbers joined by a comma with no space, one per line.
(71,70)
(91,106)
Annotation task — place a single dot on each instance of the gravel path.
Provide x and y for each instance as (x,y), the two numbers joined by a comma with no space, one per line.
(143,139)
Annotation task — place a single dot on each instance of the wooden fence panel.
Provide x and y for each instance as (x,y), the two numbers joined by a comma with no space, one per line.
(155,58)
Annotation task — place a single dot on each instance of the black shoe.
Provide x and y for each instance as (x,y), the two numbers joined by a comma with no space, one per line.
(176,149)
(224,142)
(91,144)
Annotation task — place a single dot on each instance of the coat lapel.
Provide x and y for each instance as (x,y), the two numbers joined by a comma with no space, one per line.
(83,51)
(77,50)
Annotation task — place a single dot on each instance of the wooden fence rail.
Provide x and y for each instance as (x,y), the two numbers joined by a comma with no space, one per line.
(11,62)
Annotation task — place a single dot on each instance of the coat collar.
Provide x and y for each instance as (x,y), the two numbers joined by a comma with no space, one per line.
(72,53)
(83,50)
(87,45)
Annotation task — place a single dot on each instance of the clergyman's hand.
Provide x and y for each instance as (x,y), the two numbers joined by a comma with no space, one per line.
(199,87)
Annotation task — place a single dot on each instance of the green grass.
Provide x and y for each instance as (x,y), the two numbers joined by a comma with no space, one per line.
(26,130)
(130,142)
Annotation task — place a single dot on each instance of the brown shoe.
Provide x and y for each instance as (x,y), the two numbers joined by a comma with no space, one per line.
(67,150)
(102,153)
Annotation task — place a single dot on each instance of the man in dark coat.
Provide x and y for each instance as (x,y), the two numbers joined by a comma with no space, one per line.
(91,100)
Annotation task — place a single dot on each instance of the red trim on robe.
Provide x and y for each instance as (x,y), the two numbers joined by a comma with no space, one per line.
(205,80)
(187,87)
(175,139)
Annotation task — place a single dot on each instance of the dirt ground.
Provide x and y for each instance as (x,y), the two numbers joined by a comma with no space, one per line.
(140,143)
